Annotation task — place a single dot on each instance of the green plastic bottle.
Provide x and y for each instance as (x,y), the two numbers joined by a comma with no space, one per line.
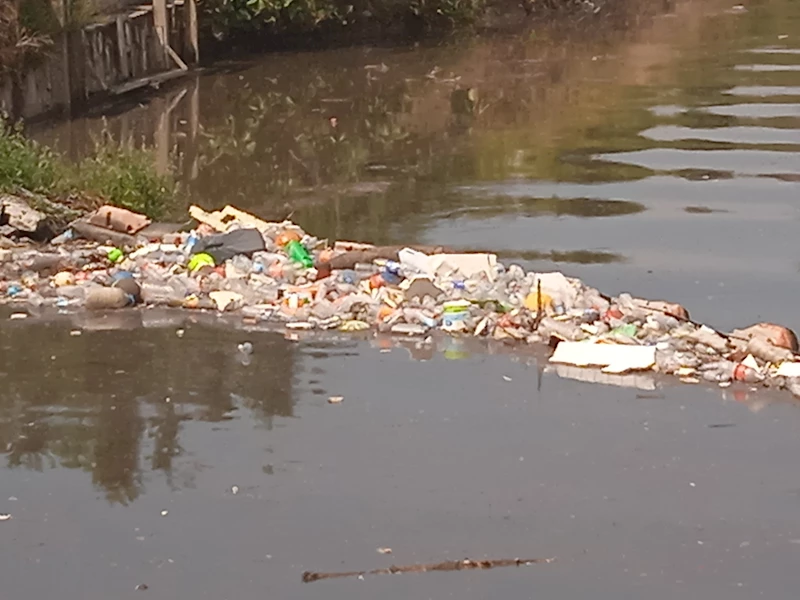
(298,253)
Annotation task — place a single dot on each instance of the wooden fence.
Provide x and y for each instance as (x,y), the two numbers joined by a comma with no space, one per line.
(146,45)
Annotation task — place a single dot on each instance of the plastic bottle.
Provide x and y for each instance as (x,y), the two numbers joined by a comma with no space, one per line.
(65,237)
(190,242)
(416,315)
(392,272)
(35,299)
(72,292)
(349,276)
(130,287)
(747,374)
(242,263)
(298,253)
(160,294)
(100,298)
(455,289)
(766,351)
(413,261)
(365,270)
(393,266)
(561,329)
(725,370)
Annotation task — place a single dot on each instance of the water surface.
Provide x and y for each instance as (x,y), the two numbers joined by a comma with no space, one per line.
(657,153)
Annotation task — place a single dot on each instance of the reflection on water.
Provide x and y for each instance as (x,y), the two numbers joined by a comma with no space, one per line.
(120,389)
(113,401)
(128,404)
(576,207)
(581,257)
(763,136)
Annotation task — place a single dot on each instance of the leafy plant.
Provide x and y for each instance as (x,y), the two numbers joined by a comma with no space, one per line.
(120,175)
(123,176)
(436,12)
(24,163)
(298,16)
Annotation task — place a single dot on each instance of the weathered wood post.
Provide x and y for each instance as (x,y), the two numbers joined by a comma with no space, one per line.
(192,49)
(122,45)
(162,29)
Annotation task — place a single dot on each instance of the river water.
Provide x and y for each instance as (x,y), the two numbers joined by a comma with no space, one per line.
(657,153)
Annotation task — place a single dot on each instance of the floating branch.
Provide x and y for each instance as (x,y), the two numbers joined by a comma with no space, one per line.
(449,565)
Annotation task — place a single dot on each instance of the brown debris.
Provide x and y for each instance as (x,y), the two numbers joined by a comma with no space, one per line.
(119,219)
(777,335)
(448,565)
(102,235)
(668,308)
(349,259)
(222,220)
(343,246)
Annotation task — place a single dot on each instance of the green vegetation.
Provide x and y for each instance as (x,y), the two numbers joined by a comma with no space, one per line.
(116,174)
(227,17)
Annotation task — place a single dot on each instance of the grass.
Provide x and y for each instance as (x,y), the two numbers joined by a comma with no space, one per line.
(113,174)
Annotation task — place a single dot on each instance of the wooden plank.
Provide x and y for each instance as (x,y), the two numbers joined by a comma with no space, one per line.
(76,63)
(122,45)
(213,220)
(192,45)
(178,61)
(152,80)
(161,27)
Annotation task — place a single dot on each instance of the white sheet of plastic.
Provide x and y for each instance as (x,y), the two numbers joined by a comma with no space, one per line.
(789,369)
(614,358)
(468,264)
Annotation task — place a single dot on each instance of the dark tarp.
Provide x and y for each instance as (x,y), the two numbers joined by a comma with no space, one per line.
(225,246)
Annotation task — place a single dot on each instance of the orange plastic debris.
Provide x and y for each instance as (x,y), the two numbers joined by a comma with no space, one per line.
(376,281)
(286,237)
(384,312)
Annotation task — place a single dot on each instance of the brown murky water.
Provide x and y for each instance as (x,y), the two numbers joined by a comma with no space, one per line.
(658,154)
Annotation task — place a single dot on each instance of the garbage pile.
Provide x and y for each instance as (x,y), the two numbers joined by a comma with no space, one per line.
(234,262)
